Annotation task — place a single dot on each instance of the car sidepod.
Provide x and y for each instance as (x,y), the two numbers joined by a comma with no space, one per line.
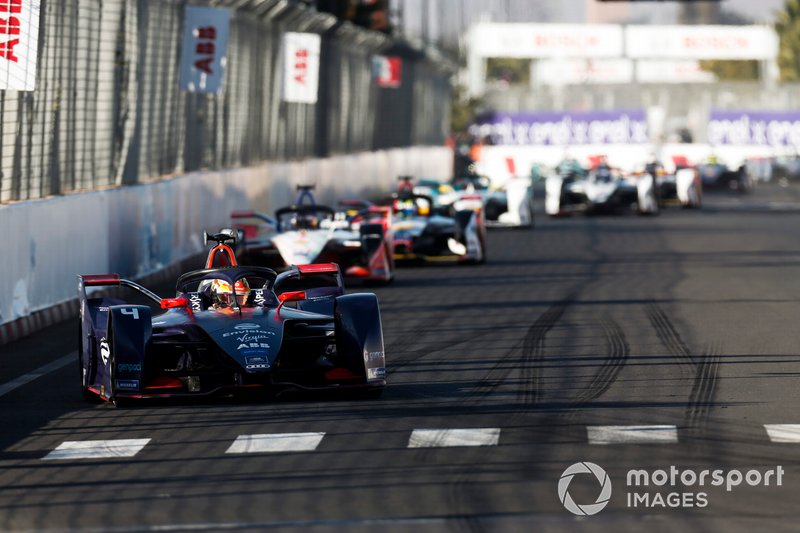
(519,204)
(376,255)
(689,187)
(553,186)
(474,235)
(647,201)
(359,337)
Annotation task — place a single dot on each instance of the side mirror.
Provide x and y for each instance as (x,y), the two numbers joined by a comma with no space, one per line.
(174,303)
(291,296)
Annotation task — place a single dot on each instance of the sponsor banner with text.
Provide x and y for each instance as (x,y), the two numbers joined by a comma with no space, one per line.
(205,44)
(19,41)
(386,71)
(564,128)
(300,52)
(759,128)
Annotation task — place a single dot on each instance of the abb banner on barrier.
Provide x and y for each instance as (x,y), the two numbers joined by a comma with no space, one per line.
(387,71)
(19,40)
(759,128)
(564,128)
(205,43)
(300,67)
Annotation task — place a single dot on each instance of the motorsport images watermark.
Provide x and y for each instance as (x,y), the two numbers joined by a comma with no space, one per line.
(641,486)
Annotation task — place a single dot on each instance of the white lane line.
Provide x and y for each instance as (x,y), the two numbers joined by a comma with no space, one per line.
(5,388)
(666,434)
(97,449)
(276,442)
(783,432)
(438,438)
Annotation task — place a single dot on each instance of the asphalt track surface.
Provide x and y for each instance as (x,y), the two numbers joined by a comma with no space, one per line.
(688,319)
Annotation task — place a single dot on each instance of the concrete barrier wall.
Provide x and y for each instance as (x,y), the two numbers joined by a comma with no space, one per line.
(138,230)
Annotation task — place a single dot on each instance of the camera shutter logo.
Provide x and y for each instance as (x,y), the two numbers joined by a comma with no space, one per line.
(588,509)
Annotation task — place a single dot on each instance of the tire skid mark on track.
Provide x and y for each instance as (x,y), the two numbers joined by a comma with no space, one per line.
(527,356)
(410,354)
(533,353)
(704,388)
(617,350)
(669,336)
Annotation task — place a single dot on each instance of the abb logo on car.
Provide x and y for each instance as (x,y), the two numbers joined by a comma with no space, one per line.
(19,34)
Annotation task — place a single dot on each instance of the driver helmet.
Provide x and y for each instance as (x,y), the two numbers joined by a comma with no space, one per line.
(406,208)
(222,293)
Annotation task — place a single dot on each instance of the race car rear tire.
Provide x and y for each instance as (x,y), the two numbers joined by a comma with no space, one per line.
(482,242)
(531,217)
(390,266)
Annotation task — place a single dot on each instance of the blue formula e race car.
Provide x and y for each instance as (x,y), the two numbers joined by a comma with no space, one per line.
(230,328)
(426,232)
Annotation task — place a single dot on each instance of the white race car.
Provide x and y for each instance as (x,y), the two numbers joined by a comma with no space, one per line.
(509,205)
(601,190)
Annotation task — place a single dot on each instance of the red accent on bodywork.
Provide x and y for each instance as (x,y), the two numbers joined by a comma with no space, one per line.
(243,214)
(378,259)
(90,280)
(594,160)
(291,296)
(680,160)
(317,268)
(471,197)
(339,374)
(357,271)
(250,230)
(221,248)
(512,167)
(164,382)
(175,303)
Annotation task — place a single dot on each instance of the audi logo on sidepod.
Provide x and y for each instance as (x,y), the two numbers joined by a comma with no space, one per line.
(588,509)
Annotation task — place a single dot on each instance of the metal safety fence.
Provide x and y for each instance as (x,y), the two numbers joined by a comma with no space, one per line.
(108,111)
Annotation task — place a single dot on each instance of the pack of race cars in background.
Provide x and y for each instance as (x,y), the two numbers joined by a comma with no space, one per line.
(427,220)
(602,188)
(367,239)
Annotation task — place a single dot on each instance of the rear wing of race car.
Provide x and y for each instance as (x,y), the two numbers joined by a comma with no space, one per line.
(248,223)
(111,280)
(314,286)
(313,275)
(114,280)
(248,213)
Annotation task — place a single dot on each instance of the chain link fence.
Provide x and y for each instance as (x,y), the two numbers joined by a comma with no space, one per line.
(107,110)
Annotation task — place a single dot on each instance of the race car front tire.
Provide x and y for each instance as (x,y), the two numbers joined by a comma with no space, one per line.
(85,373)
